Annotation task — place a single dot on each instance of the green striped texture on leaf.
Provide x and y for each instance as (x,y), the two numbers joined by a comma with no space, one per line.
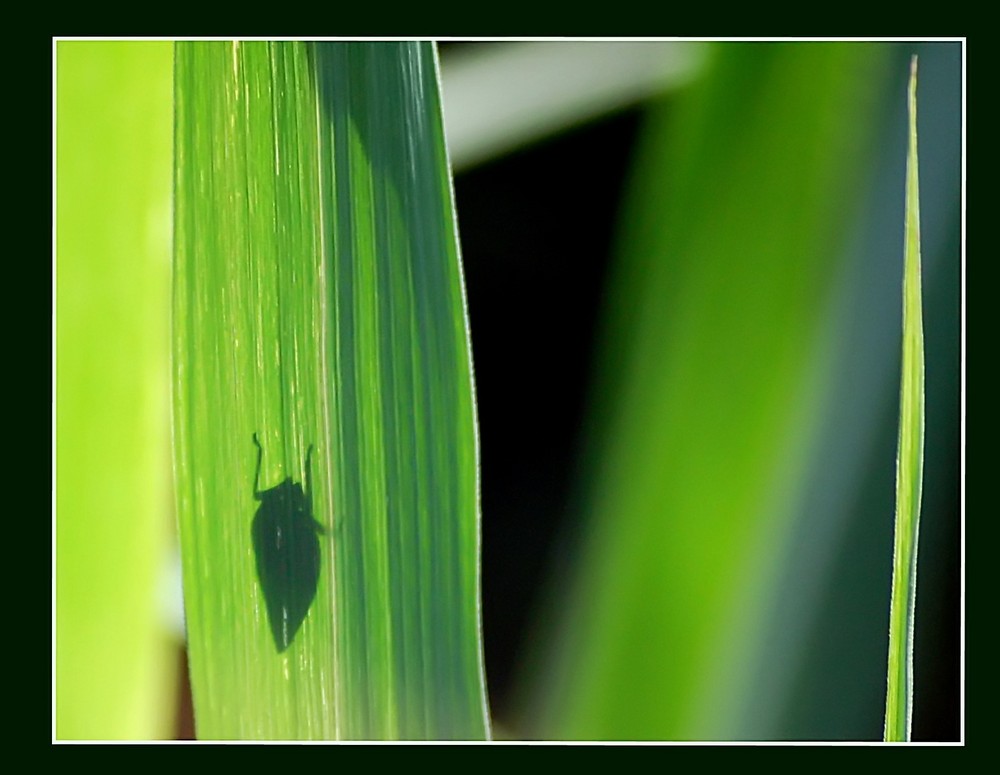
(319,303)
(115,659)
(910,456)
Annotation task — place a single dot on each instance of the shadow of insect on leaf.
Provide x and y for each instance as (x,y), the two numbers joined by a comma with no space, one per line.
(286,544)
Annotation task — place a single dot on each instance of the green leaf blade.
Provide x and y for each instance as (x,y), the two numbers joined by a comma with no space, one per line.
(341,261)
(909,460)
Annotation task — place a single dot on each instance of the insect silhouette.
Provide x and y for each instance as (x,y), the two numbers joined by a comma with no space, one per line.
(286,543)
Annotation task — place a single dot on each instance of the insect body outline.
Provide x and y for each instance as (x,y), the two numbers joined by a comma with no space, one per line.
(286,545)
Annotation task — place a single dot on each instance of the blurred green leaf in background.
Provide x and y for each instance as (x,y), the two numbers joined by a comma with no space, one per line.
(115,653)
(716,364)
(739,353)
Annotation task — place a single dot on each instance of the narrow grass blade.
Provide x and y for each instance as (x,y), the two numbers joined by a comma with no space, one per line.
(910,457)
(319,305)
(115,659)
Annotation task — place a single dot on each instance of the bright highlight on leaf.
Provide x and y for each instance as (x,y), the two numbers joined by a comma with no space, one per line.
(909,460)
(319,312)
